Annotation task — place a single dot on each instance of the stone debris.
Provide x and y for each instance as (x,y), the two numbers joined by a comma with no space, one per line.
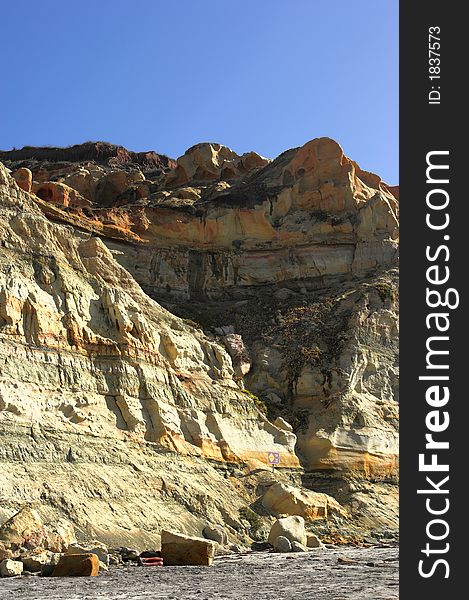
(25,534)
(35,563)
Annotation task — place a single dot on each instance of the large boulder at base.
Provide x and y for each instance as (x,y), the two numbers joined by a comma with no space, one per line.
(282,544)
(10,568)
(97,548)
(77,565)
(293,528)
(281,498)
(179,549)
(215,533)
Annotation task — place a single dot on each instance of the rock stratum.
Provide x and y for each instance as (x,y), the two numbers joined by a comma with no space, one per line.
(164,325)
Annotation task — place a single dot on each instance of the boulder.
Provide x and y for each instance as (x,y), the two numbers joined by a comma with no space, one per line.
(281,498)
(77,565)
(297,547)
(312,541)
(215,533)
(10,568)
(24,178)
(179,549)
(25,528)
(35,563)
(293,528)
(97,548)
(282,544)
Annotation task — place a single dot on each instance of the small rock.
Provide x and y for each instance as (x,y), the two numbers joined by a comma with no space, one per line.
(10,568)
(282,544)
(60,535)
(297,547)
(260,546)
(312,541)
(215,533)
(345,560)
(24,178)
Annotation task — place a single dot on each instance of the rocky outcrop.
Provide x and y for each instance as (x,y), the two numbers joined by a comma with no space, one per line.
(24,178)
(213,162)
(99,152)
(187,318)
(59,193)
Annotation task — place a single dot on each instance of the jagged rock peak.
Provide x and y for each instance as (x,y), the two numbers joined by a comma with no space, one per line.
(210,161)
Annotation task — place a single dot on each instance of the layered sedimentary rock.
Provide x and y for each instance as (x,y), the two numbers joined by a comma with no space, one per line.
(87,355)
(286,269)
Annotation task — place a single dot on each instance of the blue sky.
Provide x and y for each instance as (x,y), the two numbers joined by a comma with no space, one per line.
(264,75)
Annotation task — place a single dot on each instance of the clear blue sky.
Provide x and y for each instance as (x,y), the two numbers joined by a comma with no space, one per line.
(263,75)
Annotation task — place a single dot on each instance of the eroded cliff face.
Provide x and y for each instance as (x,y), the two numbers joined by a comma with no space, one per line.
(286,269)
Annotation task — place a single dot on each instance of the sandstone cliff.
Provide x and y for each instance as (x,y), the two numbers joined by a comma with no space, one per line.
(123,414)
